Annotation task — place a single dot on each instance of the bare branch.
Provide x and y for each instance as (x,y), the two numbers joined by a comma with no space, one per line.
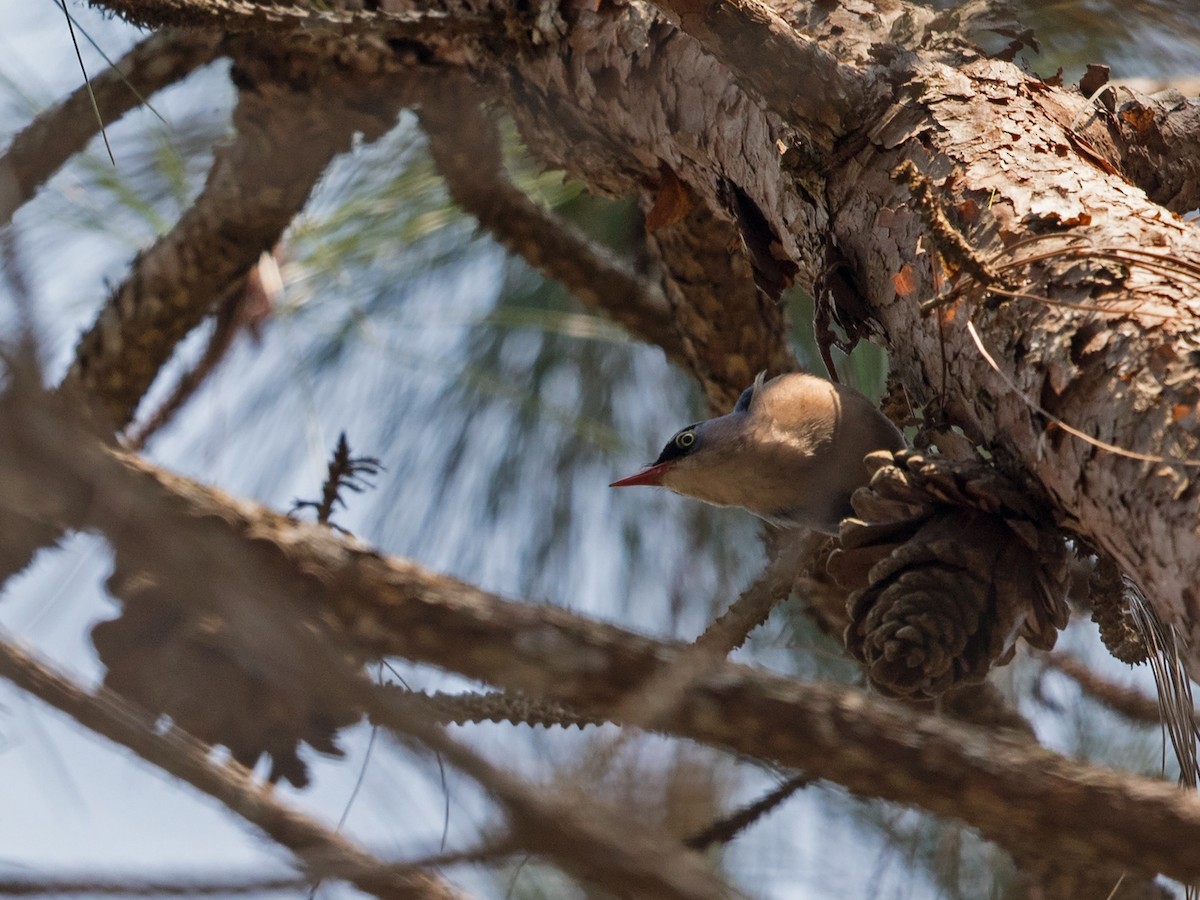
(320,850)
(134,886)
(277,630)
(1129,702)
(726,829)
(491,706)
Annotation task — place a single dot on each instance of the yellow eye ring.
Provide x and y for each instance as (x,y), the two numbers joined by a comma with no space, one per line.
(685,440)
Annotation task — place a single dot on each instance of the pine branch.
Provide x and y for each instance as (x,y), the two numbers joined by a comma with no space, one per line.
(248,201)
(132,886)
(491,706)
(725,830)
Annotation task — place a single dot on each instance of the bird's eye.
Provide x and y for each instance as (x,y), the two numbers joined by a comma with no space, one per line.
(685,440)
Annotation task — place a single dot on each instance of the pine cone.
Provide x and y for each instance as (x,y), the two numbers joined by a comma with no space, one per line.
(949,563)
(1110,611)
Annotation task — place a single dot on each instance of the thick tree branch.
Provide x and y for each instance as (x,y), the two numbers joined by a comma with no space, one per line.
(60,132)
(798,79)
(1154,141)
(1028,799)
(1095,336)
(277,628)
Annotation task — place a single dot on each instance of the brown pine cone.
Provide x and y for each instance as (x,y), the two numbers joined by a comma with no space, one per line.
(948,563)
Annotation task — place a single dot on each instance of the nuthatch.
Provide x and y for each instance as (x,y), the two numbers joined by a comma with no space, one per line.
(791,452)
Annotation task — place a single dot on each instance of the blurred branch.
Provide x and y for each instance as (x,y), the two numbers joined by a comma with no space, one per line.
(584,837)
(1026,798)
(725,830)
(249,199)
(492,706)
(320,850)
(107,886)
(60,132)
(243,308)
(278,628)
(731,328)
(465,145)
(1128,702)
(789,553)
(278,18)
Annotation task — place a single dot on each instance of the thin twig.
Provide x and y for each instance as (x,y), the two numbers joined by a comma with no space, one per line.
(492,706)
(725,830)
(658,697)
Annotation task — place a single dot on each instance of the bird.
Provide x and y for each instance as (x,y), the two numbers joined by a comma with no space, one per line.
(791,452)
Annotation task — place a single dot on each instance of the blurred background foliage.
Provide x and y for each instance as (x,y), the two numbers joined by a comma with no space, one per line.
(500,409)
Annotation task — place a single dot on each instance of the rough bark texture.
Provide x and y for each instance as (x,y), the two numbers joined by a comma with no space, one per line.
(998,146)
(1119,369)
(762,141)
(1153,140)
